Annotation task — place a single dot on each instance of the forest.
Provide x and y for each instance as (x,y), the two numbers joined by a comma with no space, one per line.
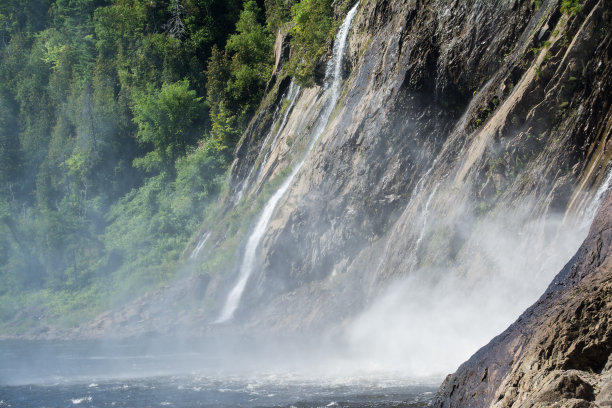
(118,122)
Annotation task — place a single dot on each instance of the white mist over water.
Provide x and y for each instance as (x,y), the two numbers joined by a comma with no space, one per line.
(333,77)
(126,374)
(437,317)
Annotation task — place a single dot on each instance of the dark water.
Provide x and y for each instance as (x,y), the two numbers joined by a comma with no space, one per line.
(88,374)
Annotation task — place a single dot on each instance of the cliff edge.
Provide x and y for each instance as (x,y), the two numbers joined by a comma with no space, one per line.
(559,352)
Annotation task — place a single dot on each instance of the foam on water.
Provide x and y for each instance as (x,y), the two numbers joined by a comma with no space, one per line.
(77,401)
(179,391)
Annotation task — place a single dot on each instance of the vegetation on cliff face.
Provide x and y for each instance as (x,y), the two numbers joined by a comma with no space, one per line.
(118,119)
(313,23)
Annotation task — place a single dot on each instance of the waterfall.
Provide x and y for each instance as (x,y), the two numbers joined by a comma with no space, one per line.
(598,198)
(418,189)
(584,205)
(425,216)
(294,91)
(199,246)
(333,79)
(292,94)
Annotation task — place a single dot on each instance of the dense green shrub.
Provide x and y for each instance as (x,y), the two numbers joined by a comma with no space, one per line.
(165,119)
(571,7)
(311,32)
(109,152)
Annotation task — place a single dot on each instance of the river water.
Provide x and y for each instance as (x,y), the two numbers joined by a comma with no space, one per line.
(127,374)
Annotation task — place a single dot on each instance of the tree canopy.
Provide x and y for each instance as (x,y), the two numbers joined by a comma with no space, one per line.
(118,119)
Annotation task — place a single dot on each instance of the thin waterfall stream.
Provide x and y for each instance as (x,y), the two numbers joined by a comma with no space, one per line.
(199,246)
(292,95)
(333,79)
(597,200)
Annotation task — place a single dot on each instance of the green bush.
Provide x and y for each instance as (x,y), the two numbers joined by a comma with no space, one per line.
(571,7)
(312,30)
(165,119)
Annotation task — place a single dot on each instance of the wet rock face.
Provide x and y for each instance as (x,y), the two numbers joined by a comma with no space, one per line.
(468,108)
(559,352)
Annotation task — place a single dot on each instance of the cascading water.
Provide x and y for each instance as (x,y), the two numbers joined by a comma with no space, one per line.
(245,183)
(292,94)
(413,256)
(243,188)
(413,260)
(294,91)
(597,200)
(333,79)
(584,204)
(199,246)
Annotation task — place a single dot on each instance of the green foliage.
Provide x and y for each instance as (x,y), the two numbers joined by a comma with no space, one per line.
(238,75)
(165,119)
(251,58)
(145,231)
(312,30)
(200,174)
(495,164)
(278,13)
(109,154)
(571,7)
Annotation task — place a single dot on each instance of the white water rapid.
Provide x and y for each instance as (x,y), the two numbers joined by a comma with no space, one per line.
(333,79)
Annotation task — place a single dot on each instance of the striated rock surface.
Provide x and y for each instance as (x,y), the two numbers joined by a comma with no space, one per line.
(559,352)
(465,133)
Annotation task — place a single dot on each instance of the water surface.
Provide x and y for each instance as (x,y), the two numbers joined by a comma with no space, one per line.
(129,374)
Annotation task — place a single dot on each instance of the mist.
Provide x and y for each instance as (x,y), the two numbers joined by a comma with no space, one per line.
(430,321)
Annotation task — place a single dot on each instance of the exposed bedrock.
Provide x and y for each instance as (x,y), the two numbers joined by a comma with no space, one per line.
(559,352)
(460,125)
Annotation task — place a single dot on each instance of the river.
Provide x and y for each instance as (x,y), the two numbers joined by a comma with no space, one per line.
(162,374)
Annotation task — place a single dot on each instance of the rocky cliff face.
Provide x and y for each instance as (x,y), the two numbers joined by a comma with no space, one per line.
(559,352)
(468,143)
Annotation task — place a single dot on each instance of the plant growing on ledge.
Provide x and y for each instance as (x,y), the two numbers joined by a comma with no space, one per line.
(313,23)
(571,7)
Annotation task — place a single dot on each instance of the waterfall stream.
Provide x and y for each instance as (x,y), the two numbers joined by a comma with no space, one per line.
(597,200)
(294,91)
(425,217)
(333,79)
(199,246)
(292,94)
